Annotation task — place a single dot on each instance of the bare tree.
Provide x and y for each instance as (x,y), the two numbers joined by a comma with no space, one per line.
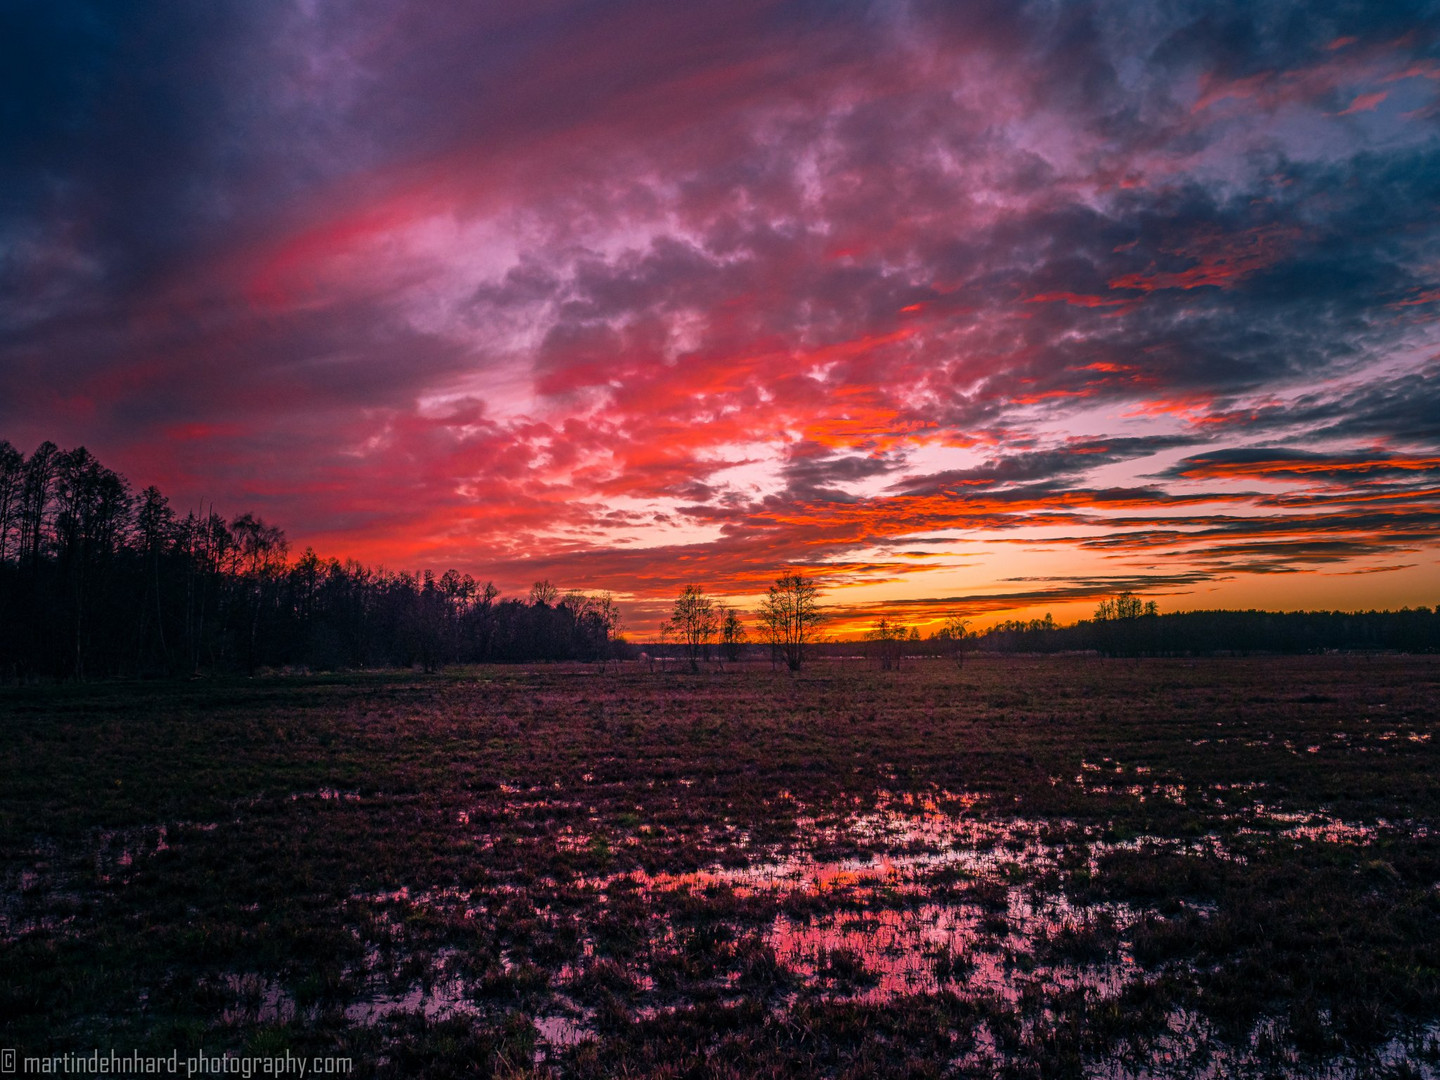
(1125,606)
(888,642)
(92,509)
(733,636)
(35,504)
(955,635)
(607,615)
(789,615)
(258,563)
(12,481)
(695,621)
(155,522)
(1124,624)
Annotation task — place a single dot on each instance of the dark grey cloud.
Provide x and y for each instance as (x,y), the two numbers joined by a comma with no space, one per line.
(811,472)
(1056,465)
(1283,463)
(776,221)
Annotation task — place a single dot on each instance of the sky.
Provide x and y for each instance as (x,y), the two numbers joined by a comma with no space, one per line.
(989,308)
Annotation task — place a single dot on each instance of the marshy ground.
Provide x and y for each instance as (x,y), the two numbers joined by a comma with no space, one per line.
(1029,867)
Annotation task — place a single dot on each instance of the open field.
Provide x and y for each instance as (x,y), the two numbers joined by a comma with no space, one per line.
(1031,867)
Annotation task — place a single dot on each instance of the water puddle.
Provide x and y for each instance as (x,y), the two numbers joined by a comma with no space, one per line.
(444,993)
(257,999)
(561,1032)
(903,895)
(1191,1046)
(326,794)
(912,896)
(1322,827)
(116,851)
(875,956)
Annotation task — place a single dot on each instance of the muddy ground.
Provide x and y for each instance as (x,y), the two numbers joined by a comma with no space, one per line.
(1066,866)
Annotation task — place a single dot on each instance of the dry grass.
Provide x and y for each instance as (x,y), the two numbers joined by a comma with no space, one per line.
(1033,866)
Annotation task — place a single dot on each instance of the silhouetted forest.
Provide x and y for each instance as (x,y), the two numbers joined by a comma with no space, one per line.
(1225,632)
(1122,626)
(1175,634)
(97,580)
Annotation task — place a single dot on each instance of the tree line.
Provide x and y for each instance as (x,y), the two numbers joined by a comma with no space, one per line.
(1124,625)
(98,580)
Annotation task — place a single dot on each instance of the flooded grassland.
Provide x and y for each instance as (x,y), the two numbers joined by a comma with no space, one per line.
(1064,866)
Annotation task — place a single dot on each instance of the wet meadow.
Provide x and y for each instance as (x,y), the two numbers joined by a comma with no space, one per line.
(1025,867)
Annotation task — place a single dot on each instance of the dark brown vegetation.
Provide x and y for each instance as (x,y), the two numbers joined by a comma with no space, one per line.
(97,581)
(1028,867)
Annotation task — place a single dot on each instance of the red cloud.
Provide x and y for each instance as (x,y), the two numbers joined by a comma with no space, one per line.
(1220,260)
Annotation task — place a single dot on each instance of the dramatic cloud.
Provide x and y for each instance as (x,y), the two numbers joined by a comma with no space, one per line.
(930,298)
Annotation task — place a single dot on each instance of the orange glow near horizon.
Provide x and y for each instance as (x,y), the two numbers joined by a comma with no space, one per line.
(633,297)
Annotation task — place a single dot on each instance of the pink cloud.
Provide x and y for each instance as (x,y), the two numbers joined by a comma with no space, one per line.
(1364,103)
